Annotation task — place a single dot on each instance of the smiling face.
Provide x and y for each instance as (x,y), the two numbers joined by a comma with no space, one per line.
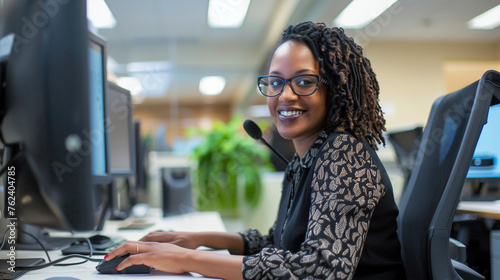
(299,118)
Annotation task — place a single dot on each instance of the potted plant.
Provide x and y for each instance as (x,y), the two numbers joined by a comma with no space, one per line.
(228,166)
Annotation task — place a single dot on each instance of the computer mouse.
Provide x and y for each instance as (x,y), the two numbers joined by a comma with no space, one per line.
(109,267)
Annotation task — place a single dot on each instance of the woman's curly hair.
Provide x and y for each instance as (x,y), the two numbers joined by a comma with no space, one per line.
(353,89)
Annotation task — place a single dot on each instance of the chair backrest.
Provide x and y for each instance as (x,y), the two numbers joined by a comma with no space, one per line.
(428,205)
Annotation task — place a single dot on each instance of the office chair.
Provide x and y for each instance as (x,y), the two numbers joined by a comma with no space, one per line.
(428,205)
(405,144)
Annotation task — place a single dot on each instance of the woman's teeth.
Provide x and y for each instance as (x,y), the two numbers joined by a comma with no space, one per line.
(290,113)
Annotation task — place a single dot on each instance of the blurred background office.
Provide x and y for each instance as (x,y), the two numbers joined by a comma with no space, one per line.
(192,63)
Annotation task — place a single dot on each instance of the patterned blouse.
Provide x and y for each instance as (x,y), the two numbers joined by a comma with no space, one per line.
(336,187)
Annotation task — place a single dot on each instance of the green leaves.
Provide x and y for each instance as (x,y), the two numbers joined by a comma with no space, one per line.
(229,166)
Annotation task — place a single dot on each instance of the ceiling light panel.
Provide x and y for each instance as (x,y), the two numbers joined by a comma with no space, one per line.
(487,20)
(227,13)
(100,15)
(359,13)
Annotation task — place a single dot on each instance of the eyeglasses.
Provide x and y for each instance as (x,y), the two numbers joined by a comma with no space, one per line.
(302,85)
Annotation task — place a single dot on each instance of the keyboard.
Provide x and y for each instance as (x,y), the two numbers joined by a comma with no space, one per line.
(101,245)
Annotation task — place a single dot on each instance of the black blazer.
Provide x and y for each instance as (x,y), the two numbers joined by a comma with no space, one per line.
(381,255)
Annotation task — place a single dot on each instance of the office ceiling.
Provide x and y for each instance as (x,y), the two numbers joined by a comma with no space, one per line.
(176,32)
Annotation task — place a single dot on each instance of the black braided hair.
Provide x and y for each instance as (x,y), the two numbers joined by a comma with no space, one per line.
(353,89)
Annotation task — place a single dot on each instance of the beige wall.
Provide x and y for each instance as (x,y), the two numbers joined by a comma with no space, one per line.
(413,75)
(177,121)
(459,74)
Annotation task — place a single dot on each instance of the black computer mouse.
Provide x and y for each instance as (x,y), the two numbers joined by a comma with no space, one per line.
(109,267)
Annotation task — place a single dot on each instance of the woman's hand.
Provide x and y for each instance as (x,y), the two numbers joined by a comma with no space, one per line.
(162,256)
(174,259)
(181,239)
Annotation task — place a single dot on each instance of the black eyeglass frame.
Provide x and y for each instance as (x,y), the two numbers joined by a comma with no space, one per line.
(319,79)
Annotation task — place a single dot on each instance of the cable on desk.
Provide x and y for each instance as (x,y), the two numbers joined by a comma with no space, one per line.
(77,255)
(55,262)
(39,243)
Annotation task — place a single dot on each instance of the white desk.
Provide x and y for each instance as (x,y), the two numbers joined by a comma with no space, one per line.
(199,221)
(484,209)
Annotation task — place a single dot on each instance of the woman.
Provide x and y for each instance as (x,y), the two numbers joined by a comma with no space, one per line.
(337,216)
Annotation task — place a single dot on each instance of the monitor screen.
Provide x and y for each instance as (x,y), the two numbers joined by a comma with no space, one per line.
(485,163)
(120,129)
(97,93)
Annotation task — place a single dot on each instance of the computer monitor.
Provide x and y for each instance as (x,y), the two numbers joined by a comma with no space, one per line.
(122,150)
(141,156)
(98,87)
(485,162)
(52,114)
(121,131)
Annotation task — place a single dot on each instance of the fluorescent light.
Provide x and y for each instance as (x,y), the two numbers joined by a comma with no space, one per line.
(212,85)
(487,20)
(149,78)
(227,13)
(360,13)
(100,15)
(149,67)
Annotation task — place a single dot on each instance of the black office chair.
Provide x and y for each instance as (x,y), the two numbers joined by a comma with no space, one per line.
(405,144)
(428,205)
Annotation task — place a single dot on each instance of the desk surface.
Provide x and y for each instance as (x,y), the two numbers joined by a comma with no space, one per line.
(484,209)
(204,221)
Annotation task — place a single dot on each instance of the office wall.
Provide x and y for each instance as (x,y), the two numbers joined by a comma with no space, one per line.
(178,120)
(459,74)
(413,74)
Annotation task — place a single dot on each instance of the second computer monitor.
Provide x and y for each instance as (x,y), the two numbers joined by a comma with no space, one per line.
(485,165)
(120,129)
